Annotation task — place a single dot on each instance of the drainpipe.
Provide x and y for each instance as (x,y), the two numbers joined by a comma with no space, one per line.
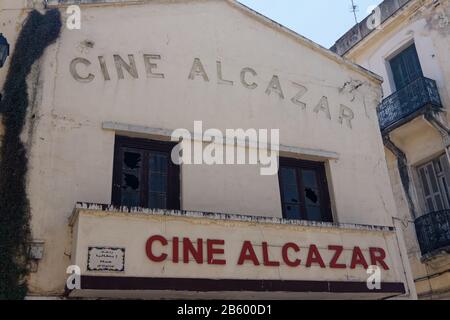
(402,163)
(411,291)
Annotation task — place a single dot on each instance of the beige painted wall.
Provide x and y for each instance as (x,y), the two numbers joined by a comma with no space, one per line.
(71,156)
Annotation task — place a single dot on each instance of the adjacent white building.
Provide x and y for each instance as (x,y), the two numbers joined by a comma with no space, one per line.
(408,44)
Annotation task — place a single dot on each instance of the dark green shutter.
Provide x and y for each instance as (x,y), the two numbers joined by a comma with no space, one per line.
(406,67)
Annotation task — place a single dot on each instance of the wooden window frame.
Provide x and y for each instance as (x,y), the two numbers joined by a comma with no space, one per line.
(146,145)
(319,168)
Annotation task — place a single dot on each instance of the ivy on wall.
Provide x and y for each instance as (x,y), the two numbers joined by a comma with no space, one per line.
(38,32)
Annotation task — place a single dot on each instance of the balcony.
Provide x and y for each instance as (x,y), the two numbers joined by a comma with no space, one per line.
(433,232)
(406,104)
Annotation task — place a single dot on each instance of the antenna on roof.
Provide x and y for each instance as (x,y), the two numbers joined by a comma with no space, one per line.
(354,8)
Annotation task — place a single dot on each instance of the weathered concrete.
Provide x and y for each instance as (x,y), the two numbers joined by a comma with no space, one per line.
(427,25)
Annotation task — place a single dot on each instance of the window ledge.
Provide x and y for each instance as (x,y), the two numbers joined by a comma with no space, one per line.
(166,134)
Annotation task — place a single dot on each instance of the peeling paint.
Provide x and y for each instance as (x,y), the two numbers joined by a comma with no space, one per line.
(106,208)
(437,16)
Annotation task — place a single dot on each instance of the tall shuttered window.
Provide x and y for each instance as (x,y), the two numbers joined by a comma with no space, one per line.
(144,175)
(435,182)
(304,190)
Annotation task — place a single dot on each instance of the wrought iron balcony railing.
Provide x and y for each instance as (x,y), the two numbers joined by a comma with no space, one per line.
(433,231)
(402,105)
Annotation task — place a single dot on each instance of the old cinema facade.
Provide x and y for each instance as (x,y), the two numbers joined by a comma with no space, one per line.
(105,196)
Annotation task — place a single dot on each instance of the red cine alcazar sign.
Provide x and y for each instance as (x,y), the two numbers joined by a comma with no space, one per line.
(212,252)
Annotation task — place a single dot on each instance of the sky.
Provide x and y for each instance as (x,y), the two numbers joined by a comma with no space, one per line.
(323,21)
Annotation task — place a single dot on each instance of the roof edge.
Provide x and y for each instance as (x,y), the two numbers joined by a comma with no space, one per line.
(252,13)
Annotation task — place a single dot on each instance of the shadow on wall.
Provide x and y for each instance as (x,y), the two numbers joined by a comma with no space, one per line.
(38,32)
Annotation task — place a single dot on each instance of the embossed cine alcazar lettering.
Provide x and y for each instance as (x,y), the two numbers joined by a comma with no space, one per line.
(82,70)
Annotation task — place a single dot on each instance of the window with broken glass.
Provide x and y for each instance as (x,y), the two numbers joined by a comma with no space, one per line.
(304,190)
(144,174)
